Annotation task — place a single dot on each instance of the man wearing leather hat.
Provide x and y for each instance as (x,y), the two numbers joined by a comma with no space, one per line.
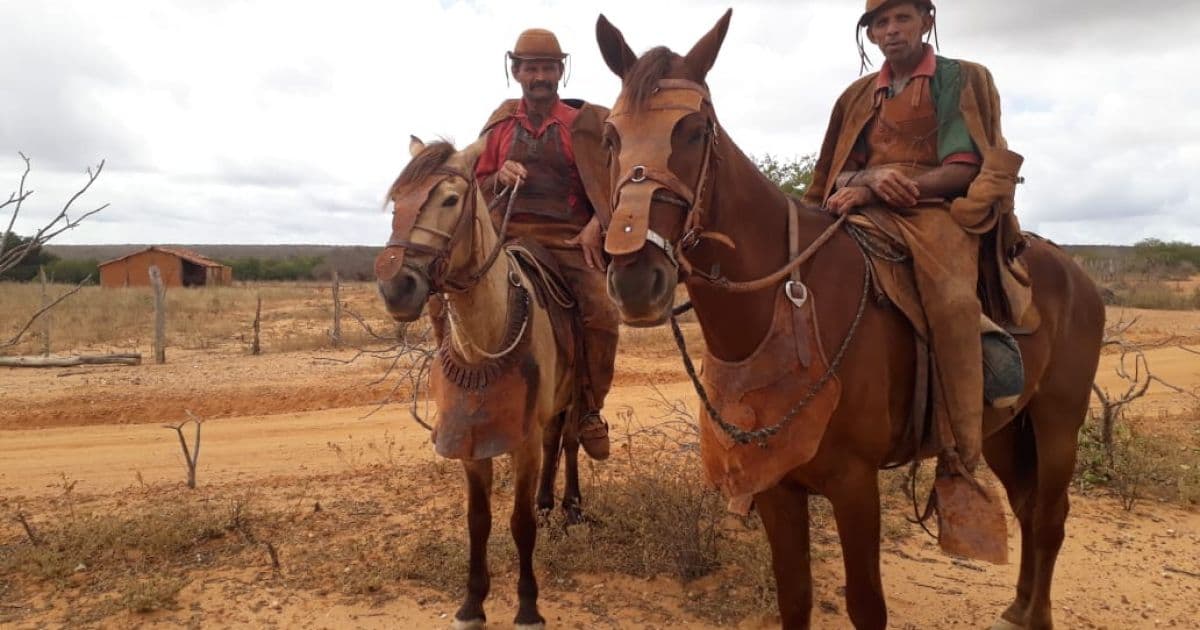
(551,146)
(917,149)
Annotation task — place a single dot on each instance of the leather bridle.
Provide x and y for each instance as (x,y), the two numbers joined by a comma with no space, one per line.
(407,205)
(651,177)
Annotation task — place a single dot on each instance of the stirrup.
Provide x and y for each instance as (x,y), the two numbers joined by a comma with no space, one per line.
(1003,370)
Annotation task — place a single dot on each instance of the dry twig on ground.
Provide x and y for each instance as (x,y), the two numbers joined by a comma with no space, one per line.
(190,458)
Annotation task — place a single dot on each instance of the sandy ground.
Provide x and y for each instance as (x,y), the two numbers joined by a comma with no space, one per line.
(289,419)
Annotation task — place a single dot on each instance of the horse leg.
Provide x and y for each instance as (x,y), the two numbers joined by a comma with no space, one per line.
(551,447)
(524,532)
(855,498)
(1056,425)
(572,503)
(479,523)
(1011,454)
(784,512)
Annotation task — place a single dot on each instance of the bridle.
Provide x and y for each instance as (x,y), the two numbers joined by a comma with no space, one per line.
(408,203)
(644,183)
(639,187)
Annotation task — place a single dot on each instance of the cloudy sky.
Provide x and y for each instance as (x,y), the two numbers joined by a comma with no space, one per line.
(264,121)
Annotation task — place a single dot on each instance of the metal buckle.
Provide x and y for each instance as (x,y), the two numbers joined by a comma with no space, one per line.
(663,244)
(690,239)
(797,300)
(639,174)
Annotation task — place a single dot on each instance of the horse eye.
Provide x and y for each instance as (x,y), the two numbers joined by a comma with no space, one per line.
(450,201)
(698,135)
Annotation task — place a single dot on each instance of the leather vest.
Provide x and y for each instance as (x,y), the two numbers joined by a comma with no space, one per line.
(551,178)
(904,132)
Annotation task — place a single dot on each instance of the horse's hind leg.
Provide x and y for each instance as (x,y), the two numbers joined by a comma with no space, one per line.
(784,512)
(1012,456)
(855,498)
(551,447)
(1056,423)
(572,502)
(479,523)
(524,532)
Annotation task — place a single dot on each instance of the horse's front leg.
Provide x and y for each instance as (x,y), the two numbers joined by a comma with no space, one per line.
(784,512)
(524,531)
(855,498)
(479,523)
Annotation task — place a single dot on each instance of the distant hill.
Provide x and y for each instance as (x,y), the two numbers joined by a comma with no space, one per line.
(352,262)
(356,262)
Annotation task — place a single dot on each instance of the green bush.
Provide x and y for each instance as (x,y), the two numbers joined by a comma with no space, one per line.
(293,268)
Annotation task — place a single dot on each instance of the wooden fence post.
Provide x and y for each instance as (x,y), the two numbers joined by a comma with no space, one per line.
(48,315)
(160,315)
(336,333)
(256,346)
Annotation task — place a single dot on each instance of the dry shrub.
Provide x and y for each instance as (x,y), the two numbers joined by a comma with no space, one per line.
(147,594)
(110,542)
(1147,461)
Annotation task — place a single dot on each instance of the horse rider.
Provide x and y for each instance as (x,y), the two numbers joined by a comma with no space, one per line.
(551,147)
(920,141)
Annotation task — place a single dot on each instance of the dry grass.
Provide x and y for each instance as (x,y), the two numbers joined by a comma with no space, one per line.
(1153,458)
(296,316)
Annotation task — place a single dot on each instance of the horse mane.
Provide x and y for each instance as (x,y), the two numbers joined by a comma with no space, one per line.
(642,79)
(434,156)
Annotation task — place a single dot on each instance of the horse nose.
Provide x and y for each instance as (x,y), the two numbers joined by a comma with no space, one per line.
(404,294)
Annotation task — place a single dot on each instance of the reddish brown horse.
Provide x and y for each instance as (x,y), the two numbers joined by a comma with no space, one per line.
(705,198)
(501,381)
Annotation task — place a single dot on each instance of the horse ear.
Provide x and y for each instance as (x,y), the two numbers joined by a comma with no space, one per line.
(415,146)
(613,48)
(701,57)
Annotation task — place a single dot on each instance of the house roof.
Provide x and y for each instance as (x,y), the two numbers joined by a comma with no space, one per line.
(185,254)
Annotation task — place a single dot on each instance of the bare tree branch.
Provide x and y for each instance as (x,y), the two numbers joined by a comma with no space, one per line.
(17,198)
(61,222)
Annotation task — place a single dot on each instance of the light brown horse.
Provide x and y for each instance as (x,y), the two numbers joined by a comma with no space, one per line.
(712,203)
(498,343)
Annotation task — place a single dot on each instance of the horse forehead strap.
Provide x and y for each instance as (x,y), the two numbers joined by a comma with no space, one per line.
(406,203)
(645,157)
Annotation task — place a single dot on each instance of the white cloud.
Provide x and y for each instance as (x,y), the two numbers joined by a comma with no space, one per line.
(270,121)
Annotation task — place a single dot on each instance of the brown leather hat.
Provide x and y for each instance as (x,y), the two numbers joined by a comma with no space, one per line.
(875,5)
(537,43)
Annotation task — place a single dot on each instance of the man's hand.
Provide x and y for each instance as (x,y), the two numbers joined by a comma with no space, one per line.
(590,242)
(893,187)
(846,200)
(510,172)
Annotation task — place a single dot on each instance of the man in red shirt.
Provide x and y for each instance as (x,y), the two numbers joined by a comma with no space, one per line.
(552,146)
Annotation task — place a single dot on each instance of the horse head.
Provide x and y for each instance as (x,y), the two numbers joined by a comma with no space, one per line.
(434,201)
(661,138)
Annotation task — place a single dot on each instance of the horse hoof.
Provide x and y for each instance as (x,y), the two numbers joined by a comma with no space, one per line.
(1005,624)
(543,517)
(473,624)
(541,625)
(574,515)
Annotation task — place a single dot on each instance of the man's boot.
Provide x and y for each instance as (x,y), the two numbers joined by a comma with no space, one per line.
(593,435)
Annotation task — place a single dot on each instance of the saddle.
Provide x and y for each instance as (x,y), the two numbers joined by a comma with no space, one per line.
(893,282)
(553,293)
